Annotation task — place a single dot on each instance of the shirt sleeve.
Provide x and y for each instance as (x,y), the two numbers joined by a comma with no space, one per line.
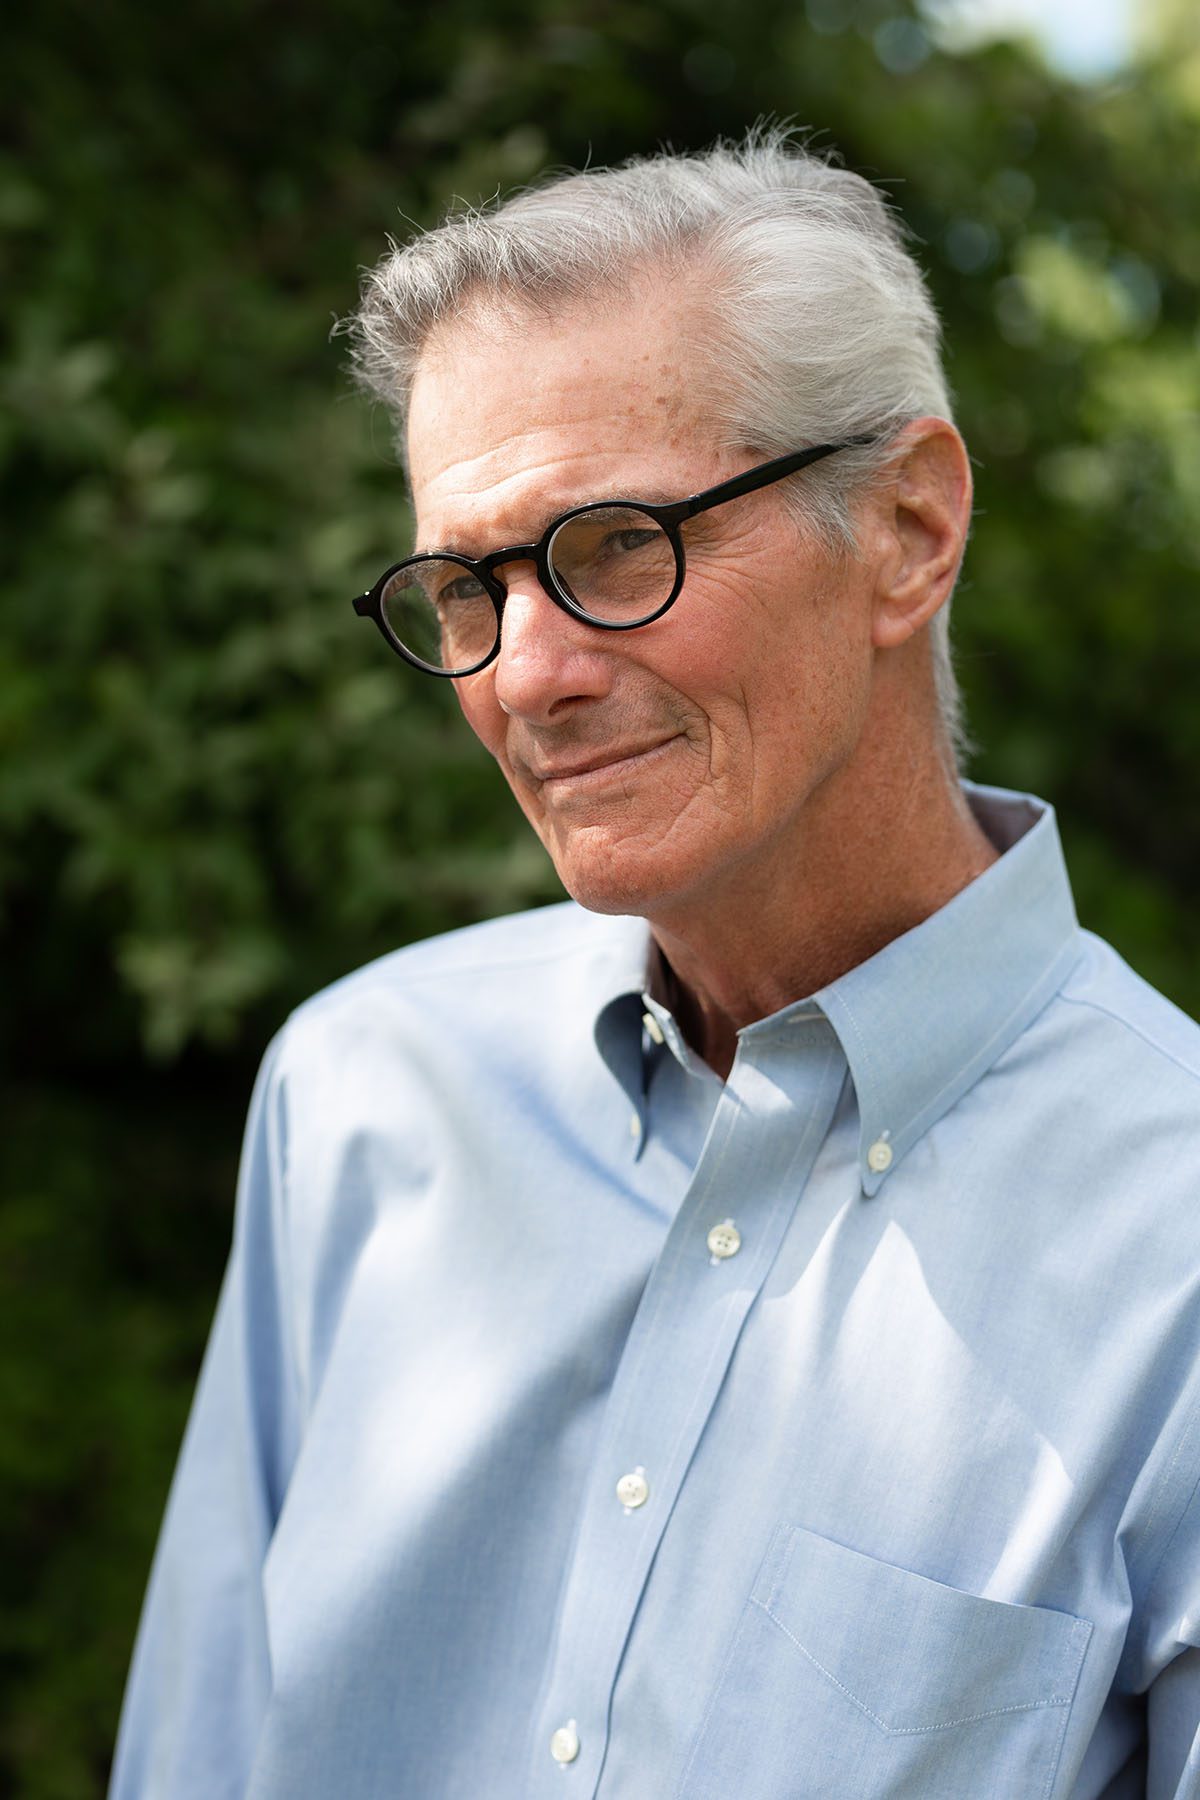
(1173,1698)
(1174,1723)
(200,1677)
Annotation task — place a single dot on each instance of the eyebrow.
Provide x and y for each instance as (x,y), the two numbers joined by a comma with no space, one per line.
(651,497)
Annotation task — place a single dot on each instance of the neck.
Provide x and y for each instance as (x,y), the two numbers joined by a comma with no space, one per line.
(847,882)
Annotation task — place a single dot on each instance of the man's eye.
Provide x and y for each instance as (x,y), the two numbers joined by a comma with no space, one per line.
(630,538)
(465,587)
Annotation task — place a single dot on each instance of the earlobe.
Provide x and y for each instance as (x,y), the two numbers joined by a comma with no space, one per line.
(928,511)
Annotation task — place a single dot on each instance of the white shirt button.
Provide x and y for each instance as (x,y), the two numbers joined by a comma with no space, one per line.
(724,1240)
(633,1489)
(879,1156)
(564,1745)
(635,1126)
(653,1027)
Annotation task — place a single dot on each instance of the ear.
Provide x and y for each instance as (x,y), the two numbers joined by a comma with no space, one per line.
(920,521)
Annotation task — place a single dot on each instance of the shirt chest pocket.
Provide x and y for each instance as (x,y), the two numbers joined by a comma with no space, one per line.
(850,1679)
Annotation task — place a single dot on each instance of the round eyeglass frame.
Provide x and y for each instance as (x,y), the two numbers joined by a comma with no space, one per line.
(668,517)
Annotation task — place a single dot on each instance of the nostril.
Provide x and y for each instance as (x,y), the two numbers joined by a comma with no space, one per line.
(547,660)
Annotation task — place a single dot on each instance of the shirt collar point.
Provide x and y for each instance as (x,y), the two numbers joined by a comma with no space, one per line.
(873,1178)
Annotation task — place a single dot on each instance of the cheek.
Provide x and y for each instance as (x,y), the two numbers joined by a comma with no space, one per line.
(798,712)
(476,697)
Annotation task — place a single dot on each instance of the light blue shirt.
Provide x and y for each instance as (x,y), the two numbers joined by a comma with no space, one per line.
(575,1424)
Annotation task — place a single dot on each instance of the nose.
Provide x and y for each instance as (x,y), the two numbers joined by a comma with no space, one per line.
(548,661)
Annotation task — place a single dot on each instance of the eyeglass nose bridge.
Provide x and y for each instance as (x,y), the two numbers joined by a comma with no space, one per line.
(539,555)
(666,517)
(498,559)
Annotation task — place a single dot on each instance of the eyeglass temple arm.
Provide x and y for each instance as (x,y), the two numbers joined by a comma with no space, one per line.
(764,475)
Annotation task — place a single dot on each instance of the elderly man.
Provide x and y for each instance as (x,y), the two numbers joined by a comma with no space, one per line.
(744,1343)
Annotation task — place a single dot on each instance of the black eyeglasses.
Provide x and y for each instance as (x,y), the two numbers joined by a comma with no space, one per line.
(615,564)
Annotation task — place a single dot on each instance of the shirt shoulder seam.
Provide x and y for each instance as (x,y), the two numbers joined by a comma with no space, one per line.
(1138,1031)
(376,980)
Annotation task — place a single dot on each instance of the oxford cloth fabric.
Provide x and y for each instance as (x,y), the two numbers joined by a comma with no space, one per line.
(914,1449)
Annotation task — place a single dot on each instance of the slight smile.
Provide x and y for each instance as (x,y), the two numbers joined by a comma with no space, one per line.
(596,770)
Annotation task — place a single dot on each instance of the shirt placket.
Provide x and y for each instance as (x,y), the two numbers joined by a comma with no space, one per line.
(770,1122)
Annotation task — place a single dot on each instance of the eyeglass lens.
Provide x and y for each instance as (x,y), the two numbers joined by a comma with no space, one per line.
(614,563)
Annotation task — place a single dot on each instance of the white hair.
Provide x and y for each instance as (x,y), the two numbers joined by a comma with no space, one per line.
(821,326)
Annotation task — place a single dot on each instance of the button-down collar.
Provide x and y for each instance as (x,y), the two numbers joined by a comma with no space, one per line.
(924,1018)
(930,1013)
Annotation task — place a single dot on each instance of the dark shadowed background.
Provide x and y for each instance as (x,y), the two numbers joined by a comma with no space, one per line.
(216,790)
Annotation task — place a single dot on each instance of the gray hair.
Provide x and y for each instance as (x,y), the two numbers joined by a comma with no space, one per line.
(824,328)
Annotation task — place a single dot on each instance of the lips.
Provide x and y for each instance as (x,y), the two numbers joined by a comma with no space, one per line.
(596,764)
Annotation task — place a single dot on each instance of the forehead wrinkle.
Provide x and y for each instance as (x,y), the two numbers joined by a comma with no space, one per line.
(477,491)
(548,447)
(469,542)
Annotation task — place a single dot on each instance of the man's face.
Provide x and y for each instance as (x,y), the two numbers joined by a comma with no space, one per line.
(662,764)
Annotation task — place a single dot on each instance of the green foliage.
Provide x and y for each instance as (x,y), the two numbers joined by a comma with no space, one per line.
(110,1250)
(215,791)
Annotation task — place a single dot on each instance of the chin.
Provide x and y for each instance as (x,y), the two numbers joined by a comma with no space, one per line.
(614,880)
